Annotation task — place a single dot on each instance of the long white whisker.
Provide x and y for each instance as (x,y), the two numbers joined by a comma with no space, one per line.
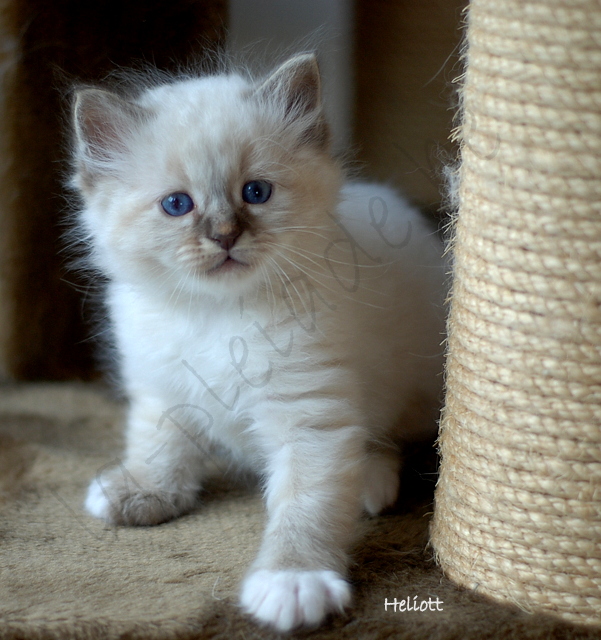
(268,287)
(340,291)
(290,281)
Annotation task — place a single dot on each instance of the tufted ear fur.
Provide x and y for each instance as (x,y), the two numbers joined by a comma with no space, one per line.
(295,87)
(103,122)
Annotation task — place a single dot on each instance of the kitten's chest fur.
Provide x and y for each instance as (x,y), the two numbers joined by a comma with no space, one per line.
(225,358)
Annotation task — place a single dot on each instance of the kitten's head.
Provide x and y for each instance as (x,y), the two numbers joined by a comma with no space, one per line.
(204,184)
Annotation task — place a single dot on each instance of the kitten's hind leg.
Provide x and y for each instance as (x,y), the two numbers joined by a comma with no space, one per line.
(382,479)
(314,503)
(159,479)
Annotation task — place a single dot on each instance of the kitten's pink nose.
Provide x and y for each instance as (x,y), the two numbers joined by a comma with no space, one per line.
(226,240)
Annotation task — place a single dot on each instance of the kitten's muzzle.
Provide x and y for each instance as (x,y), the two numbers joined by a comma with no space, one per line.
(226,236)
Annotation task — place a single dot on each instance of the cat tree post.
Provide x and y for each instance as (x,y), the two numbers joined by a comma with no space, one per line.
(518,504)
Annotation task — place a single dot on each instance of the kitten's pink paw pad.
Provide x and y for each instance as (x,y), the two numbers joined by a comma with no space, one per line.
(382,484)
(290,599)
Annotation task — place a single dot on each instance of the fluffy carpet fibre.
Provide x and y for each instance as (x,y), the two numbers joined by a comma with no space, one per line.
(65,575)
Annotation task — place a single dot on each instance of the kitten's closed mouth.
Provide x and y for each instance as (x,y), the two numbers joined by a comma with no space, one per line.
(227,265)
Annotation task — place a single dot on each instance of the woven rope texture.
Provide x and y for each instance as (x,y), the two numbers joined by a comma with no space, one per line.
(518,504)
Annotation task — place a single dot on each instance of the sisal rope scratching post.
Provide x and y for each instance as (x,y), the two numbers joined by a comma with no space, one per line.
(518,504)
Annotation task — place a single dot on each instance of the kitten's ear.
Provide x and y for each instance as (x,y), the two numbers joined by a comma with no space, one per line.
(296,83)
(103,122)
(296,86)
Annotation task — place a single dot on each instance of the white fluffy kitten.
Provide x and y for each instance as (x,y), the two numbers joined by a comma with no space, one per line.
(262,306)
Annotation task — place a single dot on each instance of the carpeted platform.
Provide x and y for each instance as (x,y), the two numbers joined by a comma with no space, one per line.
(65,575)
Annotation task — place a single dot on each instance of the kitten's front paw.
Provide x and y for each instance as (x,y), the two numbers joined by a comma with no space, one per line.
(294,598)
(120,501)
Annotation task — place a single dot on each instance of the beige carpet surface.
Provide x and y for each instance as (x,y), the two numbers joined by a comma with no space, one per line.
(65,575)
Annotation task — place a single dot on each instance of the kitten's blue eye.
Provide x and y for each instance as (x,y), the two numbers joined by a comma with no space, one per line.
(177,204)
(256,192)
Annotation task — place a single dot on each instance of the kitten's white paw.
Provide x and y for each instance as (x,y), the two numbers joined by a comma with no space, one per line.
(96,501)
(381,483)
(121,500)
(294,598)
